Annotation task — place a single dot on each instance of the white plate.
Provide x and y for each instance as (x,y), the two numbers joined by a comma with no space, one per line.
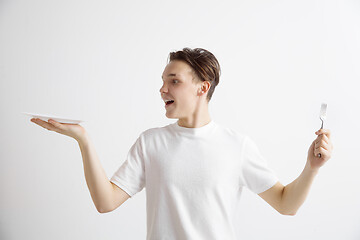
(56,118)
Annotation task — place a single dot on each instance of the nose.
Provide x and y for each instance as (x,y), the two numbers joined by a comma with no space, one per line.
(162,89)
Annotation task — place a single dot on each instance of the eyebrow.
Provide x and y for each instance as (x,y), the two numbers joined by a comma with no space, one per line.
(170,75)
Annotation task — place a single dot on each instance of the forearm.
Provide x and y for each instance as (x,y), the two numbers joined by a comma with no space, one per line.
(101,190)
(295,193)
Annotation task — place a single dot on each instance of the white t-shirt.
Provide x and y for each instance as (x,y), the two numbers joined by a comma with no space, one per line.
(193,179)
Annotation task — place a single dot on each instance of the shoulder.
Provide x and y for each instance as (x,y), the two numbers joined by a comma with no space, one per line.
(230,137)
(232,133)
(239,135)
(155,132)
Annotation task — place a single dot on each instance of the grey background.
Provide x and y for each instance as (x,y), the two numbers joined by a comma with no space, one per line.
(102,61)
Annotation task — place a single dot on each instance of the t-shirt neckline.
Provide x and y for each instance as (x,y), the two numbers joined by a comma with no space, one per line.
(199,131)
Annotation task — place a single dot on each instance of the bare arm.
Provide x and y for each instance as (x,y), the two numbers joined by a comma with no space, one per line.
(105,195)
(295,193)
(287,200)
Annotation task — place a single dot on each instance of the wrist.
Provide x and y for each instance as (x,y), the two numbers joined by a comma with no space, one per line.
(83,138)
(310,169)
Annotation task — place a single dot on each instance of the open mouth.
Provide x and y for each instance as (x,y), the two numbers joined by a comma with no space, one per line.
(169,102)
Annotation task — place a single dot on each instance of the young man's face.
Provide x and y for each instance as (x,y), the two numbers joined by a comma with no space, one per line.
(178,86)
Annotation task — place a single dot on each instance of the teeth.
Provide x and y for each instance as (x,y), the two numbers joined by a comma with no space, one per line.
(168,101)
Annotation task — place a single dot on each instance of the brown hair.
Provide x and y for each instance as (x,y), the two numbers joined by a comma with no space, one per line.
(203,63)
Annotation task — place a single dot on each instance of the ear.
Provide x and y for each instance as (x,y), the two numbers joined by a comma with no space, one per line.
(205,86)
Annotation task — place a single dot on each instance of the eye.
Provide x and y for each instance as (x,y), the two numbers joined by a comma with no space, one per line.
(175,81)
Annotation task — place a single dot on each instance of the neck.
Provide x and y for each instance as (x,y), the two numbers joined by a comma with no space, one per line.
(196,120)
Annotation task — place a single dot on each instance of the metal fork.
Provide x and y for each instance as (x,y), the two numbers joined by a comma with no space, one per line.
(322,118)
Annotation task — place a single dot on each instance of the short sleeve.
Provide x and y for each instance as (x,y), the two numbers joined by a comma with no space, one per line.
(256,175)
(130,176)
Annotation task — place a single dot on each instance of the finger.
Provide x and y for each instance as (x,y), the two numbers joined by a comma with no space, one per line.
(322,151)
(55,123)
(322,145)
(324,132)
(323,138)
(44,124)
(59,127)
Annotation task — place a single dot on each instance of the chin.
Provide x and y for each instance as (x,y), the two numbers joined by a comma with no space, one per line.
(170,117)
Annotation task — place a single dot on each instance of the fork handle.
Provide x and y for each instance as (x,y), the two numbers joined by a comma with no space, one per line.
(322,124)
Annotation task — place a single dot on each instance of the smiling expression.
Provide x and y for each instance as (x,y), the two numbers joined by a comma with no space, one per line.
(178,85)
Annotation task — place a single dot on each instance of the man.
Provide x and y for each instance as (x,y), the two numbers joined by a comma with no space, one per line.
(194,169)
